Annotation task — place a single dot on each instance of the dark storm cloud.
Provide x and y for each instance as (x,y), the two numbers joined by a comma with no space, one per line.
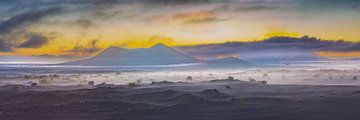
(275,43)
(25,19)
(13,28)
(34,41)
(342,47)
(313,43)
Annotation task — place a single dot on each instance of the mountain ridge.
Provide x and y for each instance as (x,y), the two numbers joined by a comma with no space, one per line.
(158,54)
(228,61)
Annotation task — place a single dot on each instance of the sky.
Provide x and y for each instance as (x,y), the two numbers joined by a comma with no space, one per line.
(85,27)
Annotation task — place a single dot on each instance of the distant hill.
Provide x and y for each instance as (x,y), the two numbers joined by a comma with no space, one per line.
(280,55)
(355,59)
(158,54)
(228,60)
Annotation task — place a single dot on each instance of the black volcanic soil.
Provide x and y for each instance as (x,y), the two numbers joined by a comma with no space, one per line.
(198,101)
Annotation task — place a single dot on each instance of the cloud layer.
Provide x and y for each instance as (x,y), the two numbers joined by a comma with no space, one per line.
(27,24)
(271,46)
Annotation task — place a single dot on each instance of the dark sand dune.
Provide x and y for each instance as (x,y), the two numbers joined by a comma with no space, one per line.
(157,98)
(183,99)
(211,101)
(212,94)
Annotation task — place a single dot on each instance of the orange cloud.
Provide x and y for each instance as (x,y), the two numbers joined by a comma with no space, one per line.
(149,42)
(280,31)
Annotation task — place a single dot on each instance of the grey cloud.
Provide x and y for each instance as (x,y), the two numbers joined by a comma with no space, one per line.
(84,23)
(86,49)
(304,5)
(323,4)
(249,8)
(203,20)
(60,2)
(178,1)
(342,47)
(34,41)
(246,5)
(4,46)
(43,2)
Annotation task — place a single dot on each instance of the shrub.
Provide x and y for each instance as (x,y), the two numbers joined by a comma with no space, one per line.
(132,84)
(189,78)
(227,86)
(241,103)
(230,78)
(33,84)
(91,83)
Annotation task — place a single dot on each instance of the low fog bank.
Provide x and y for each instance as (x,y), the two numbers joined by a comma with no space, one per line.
(306,73)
